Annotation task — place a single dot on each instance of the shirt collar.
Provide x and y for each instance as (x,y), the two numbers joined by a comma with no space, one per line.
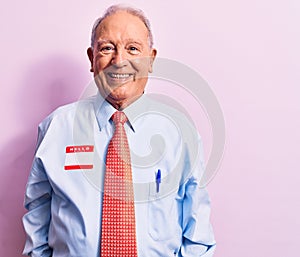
(134,110)
(104,110)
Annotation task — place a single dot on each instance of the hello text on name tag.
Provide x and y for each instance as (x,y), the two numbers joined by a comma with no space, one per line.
(79,157)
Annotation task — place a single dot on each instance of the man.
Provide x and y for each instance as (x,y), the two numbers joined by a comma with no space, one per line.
(68,193)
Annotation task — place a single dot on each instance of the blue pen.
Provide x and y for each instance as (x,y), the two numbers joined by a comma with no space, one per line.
(158,180)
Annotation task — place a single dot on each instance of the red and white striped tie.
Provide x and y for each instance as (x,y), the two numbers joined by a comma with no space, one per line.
(118,236)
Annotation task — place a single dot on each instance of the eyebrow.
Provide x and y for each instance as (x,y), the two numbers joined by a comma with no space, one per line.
(103,41)
(129,40)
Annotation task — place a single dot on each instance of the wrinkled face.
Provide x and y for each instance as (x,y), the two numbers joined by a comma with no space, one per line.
(121,58)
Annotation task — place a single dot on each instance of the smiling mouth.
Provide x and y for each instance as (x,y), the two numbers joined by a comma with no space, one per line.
(120,76)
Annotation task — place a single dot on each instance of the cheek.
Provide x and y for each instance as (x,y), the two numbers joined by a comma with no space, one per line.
(100,62)
(142,65)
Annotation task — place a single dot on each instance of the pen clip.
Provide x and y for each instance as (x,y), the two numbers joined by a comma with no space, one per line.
(158,180)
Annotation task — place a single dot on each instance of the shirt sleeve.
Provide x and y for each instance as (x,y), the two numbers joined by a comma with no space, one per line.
(38,203)
(198,236)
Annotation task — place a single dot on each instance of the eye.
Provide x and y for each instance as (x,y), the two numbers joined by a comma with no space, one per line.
(106,49)
(133,50)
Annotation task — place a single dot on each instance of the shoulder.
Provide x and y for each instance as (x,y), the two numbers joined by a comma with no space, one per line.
(170,110)
(67,113)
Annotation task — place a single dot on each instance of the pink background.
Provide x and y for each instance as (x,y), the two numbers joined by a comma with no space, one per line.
(249,53)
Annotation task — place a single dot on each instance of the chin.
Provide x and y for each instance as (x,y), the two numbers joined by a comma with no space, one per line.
(118,97)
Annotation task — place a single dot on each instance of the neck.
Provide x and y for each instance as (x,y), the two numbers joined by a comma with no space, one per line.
(121,104)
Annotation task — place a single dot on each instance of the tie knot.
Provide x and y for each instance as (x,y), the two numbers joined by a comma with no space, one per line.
(119,117)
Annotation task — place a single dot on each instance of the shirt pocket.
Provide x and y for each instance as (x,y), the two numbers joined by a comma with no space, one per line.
(162,215)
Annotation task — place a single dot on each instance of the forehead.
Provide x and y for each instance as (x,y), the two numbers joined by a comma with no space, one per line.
(121,26)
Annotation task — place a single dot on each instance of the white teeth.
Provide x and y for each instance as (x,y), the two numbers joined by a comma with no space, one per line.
(119,75)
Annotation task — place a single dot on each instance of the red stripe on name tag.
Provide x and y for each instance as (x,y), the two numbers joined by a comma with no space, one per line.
(80,149)
(79,167)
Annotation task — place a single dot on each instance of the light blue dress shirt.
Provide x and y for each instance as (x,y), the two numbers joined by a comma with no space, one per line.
(65,185)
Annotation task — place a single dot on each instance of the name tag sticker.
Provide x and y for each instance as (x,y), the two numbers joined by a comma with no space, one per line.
(79,157)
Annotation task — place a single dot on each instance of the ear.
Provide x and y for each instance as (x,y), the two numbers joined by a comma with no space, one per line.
(152,58)
(91,58)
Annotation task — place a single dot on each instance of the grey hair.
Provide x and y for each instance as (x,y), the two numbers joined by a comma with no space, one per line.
(133,11)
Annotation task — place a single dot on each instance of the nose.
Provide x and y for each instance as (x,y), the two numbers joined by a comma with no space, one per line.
(118,59)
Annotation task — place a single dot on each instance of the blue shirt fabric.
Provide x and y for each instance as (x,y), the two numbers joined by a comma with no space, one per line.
(64,205)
